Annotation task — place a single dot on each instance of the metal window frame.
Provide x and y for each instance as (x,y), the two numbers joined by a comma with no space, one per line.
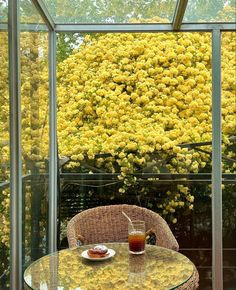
(141,27)
(40,6)
(53,159)
(117,28)
(217,227)
(15,147)
(179,13)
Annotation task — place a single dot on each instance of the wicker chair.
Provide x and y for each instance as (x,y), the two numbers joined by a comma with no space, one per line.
(107,224)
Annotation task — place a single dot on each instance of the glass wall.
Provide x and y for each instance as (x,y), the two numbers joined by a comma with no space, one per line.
(34,137)
(4,152)
(210,11)
(34,132)
(134,126)
(229,156)
(125,11)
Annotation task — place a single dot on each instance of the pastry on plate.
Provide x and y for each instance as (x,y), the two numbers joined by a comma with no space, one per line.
(99,251)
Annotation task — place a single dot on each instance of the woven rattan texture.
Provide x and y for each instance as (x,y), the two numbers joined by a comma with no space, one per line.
(107,224)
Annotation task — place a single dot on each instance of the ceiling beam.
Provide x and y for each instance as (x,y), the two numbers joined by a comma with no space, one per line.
(115,27)
(141,27)
(43,11)
(179,14)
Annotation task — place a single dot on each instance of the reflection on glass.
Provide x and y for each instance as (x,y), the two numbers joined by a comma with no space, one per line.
(3,11)
(210,11)
(34,133)
(4,163)
(34,96)
(137,267)
(67,269)
(28,13)
(67,11)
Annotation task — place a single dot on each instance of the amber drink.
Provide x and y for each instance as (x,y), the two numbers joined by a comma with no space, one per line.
(136,237)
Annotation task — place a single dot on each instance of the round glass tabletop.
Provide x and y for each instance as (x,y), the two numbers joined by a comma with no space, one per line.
(158,268)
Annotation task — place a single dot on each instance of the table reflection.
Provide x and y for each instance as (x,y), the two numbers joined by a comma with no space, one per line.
(158,268)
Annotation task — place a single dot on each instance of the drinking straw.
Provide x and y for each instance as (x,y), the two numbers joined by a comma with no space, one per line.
(129,219)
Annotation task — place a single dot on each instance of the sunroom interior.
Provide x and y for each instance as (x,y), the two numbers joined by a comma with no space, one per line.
(112,102)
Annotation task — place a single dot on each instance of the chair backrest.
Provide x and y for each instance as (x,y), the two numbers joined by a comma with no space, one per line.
(107,224)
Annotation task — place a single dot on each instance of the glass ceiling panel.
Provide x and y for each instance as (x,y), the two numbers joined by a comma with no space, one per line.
(28,13)
(110,11)
(210,11)
(3,11)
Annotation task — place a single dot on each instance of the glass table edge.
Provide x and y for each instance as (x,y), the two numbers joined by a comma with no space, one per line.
(108,243)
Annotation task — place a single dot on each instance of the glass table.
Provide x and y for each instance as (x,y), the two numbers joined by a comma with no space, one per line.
(158,268)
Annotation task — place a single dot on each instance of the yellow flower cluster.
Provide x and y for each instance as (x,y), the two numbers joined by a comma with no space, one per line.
(34,120)
(34,98)
(4,112)
(4,143)
(141,94)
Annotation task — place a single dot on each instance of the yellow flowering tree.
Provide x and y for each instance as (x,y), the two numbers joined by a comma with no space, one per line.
(138,97)
(34,129)
(4,152)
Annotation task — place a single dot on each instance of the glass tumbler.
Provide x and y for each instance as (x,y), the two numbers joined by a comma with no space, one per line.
(136,237)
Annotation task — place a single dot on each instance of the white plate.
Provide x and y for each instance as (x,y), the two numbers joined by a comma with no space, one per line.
(111,253)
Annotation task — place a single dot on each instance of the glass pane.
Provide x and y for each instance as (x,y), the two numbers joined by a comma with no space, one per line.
(229,156)
(4,159)
(35,135)
(3,11)
(134,126)
(113,11)
(28,13)
(122,87)
(210,11)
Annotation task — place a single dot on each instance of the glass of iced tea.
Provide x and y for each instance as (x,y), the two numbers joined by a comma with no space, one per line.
(136,237)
